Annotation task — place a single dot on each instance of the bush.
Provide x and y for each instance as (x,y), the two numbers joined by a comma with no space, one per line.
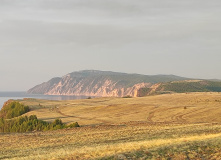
(13,109)
(75,124)
(31,123)
(128,96)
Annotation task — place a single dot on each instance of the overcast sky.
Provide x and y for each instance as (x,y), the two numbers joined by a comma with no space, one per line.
(42,39)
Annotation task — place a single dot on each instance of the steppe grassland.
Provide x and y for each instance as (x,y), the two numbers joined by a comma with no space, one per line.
(106,140)
(134,128)
(179,108)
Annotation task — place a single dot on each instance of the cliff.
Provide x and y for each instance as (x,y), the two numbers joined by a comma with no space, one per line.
(100,83)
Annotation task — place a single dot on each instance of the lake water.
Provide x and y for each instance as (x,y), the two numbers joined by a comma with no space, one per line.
(4,96)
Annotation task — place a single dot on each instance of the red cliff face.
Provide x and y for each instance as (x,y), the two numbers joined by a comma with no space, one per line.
(99,83)
(106,88)
(101,88)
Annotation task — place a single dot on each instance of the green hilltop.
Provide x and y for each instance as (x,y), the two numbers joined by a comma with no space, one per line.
(183,87)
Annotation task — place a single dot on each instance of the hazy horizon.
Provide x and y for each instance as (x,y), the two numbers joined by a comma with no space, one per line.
(42,39)
(24,91)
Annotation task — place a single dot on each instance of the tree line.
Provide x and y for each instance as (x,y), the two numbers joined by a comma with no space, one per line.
(31,123)
(13,109)
(11,122)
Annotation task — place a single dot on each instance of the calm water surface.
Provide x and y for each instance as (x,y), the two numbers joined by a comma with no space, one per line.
(4,96)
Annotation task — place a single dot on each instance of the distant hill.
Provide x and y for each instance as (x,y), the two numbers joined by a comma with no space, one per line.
(181,87)
(100,83)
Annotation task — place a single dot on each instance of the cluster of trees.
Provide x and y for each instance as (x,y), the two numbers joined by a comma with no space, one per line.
(13,109)
(31,123)
(127,96)
(214,86)
(183,87)
(8,122)
(201,86)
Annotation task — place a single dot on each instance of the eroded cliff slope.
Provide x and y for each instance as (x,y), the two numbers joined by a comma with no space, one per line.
(100,83)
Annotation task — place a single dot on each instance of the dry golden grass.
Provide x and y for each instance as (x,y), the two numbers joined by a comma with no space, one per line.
(181,108)
(115,126)
(102,141)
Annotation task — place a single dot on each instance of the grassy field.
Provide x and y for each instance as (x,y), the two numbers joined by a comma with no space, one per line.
(130,141)
(171,126)
(179,108)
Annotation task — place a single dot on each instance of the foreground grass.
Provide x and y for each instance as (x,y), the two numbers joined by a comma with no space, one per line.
(173,126)
(196,150)
(130,141)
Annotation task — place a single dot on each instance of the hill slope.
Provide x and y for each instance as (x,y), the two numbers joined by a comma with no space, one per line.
(100,83)
(178,107)
(181,87)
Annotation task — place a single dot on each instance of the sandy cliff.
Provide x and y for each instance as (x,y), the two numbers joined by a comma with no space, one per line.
(99,83)
(103,88)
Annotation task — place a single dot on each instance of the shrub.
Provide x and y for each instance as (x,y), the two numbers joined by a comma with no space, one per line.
(13,109)
(75,124)
(128,96)
(31,123)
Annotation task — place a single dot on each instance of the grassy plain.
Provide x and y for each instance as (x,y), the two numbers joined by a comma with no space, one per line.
(177,126)
(179,108)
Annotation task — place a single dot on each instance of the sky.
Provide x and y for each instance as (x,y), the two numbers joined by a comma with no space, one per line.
(42,39)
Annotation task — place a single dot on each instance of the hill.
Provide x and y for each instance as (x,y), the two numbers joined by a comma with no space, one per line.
(181,87)
(100,83)
(178,107)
